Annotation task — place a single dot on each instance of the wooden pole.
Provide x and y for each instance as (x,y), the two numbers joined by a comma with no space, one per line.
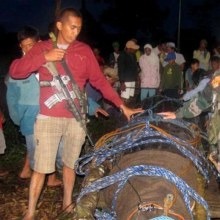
(57,7)
(179,25)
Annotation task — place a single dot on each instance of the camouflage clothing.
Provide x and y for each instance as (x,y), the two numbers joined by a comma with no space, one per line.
(208,99)
(199,103)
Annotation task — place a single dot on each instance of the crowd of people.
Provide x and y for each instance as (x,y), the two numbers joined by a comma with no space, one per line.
(50,112)
(45,98)
(162,70)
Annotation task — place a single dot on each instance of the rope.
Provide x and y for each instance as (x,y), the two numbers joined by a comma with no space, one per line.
(153,206)
(141,132)
(121,178)
(132,186)
(131,137)
(100,215)
(164,99)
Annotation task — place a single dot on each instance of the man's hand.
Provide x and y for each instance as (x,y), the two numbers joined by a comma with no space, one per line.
(168,115)
(101,111)
(54,55)
(128,112)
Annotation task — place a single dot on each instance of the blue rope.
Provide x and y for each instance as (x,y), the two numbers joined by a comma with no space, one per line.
(162,218)
(164,99)
(136,138)
(122,177)
(100,215)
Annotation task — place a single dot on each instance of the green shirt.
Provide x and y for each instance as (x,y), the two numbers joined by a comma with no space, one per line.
(171,77)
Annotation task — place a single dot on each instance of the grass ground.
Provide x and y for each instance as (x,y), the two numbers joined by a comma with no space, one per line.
(14,191)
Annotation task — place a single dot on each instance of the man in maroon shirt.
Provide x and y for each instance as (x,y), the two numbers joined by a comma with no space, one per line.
(55,120)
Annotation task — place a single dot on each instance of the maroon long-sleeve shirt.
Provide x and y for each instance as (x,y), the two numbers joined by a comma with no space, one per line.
(82,64)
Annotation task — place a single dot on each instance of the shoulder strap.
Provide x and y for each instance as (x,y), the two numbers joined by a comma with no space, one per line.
(79,94)
(68,72)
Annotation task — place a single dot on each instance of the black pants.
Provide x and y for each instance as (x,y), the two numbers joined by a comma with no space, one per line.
(172,93)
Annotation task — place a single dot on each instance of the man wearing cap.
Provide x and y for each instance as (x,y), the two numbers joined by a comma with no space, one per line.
(150,72)
(171,77)
(128,70)
(209,97)
(180,60)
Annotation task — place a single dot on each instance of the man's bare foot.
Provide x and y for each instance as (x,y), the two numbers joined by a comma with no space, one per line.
(53,181)
(25,174)
(28,217)
(3,173)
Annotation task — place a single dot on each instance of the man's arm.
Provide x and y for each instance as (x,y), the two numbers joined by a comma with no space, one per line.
(23,67)
(121,67)
(179,77)
(12,97)
(97,79)
(199,88)
(207,58)
(94,108)
(194,107)
(33,60)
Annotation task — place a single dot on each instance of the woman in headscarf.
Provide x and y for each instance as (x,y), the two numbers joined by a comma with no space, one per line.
(150,72)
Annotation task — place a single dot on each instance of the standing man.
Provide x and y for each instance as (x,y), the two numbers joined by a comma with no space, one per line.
(180,60)
(55,120)
(23,104)
(128,70)
(171,77)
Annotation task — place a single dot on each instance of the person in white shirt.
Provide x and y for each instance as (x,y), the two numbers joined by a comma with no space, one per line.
(203,55)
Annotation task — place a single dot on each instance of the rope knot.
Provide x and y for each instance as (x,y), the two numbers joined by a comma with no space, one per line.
(143,208)
(168,203)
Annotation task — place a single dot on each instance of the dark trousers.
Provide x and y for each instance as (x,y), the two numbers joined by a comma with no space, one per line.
(172,93)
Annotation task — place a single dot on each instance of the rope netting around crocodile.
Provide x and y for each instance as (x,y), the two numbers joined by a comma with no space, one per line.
(144,130)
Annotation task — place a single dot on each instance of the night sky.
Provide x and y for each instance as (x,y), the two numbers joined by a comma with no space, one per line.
(16,13)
